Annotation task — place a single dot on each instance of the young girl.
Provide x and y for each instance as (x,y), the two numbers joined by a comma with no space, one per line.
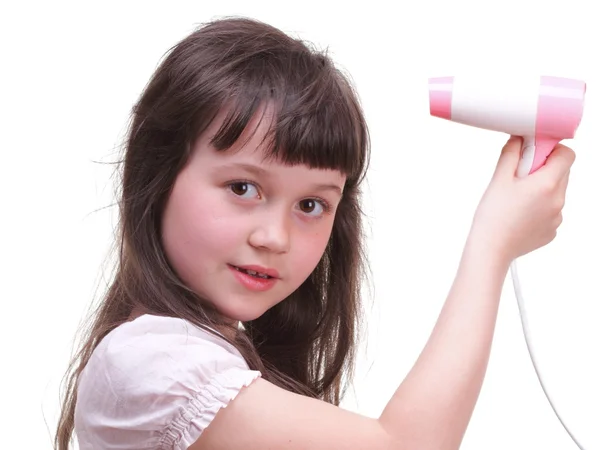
(232,318)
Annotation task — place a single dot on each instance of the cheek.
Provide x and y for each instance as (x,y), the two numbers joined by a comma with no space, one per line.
(310,251)
(198,228)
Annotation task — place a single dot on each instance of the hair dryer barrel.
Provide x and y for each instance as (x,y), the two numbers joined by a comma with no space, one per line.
(520,105)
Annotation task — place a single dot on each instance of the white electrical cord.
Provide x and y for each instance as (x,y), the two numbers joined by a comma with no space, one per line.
(520,302)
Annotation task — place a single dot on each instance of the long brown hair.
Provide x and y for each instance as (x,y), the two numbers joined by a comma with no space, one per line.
(307,342)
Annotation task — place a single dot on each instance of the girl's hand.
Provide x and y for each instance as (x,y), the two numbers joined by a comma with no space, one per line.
(519,215)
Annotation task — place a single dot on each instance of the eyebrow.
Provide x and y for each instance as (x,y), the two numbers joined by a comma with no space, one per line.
(260,172)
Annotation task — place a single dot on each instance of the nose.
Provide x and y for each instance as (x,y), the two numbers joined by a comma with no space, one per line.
(271,232)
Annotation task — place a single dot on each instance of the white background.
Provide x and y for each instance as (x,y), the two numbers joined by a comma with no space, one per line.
(70,74)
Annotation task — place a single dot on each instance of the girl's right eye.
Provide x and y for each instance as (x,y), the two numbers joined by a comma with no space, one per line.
(244,189)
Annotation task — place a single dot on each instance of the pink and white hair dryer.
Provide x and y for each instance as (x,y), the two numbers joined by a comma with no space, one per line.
(543,110)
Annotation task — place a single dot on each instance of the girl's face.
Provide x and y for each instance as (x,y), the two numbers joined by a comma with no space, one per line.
(244,233)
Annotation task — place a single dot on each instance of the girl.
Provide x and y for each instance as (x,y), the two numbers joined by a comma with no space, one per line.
(232,318)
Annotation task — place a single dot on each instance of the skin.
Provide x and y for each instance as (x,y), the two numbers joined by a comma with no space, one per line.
(235,208)
(433,405)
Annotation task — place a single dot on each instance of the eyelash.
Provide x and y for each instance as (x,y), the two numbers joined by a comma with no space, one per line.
(324,203)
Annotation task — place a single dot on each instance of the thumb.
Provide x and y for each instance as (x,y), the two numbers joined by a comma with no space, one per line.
(509,157)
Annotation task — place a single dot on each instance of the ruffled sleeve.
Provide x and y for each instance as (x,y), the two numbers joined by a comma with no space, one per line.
(156,382)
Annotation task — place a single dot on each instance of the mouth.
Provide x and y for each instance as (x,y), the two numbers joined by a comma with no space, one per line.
(255,278)
(256,272)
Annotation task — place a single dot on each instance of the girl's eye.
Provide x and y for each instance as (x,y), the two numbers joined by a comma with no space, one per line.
(312,207)
(244,189)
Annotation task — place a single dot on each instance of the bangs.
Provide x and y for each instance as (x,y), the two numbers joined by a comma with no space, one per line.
(316,120)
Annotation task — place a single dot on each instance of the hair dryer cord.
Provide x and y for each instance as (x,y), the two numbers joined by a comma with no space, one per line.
(520,302)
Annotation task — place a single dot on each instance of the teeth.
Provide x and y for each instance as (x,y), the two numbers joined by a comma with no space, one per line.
(253,273)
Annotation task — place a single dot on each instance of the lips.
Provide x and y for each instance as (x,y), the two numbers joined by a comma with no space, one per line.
(255,278)
(257,271)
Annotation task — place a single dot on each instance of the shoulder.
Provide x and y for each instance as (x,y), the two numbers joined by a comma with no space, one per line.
(163,343)
(158,381)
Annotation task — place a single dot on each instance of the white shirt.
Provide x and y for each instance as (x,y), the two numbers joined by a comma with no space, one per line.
(156,383)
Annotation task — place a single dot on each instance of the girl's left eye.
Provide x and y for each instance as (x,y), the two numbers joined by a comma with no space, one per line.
(244,189)
(313,207)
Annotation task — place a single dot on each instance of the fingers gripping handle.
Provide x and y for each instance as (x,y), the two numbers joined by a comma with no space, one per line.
(534,153)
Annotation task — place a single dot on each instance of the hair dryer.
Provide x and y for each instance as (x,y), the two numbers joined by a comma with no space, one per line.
(543,110)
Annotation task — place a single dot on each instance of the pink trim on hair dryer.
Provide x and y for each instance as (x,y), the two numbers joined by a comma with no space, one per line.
(560,107)
(440,97)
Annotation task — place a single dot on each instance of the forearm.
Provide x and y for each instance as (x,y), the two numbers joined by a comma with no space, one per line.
(434,404)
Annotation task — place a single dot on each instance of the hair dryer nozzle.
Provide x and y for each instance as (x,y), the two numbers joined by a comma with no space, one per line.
(440,97)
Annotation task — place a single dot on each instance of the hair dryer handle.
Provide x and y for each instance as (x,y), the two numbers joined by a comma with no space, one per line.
(534,153)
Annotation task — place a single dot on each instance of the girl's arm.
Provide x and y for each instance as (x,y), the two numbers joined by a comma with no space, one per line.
(432,407)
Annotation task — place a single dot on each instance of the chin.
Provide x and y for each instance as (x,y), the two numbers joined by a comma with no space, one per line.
(244,313)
